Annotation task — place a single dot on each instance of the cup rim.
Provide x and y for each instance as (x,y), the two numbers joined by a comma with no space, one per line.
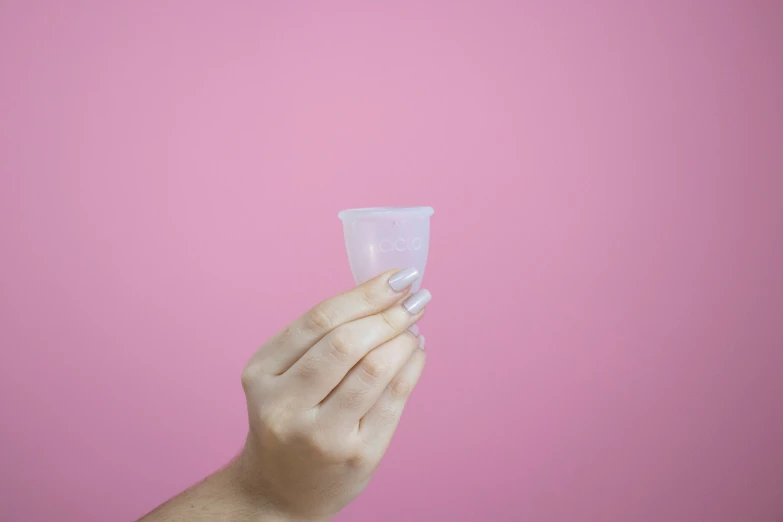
(355,213)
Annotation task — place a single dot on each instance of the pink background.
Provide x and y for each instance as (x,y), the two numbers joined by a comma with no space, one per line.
(606,339)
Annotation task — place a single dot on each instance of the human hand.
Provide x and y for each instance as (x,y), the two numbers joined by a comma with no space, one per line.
(324,397)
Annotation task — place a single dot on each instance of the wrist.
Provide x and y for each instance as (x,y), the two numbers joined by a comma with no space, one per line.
(244,475)
(239,475)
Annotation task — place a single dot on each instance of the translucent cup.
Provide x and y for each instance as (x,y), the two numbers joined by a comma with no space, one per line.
(380,239)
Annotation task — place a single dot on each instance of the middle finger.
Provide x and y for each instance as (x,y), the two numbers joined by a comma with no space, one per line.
(359,390)
(322,368)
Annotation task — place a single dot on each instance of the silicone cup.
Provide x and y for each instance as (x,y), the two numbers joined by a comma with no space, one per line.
(380,239)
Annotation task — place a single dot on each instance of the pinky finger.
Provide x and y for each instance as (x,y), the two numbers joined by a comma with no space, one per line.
(378,424)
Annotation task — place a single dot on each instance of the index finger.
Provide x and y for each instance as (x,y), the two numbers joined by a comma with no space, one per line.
(376,295)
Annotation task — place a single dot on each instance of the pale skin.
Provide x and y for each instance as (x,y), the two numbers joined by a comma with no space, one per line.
(324,397)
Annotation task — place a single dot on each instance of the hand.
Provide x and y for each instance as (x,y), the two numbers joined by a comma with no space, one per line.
(324,397)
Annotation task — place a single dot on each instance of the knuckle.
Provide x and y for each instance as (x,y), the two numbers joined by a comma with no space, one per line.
(249,374)
(388,413)
(392,321)
(254,379)
(401,387)
(373,368)
(353,398)
(275,422)
(326,447)
(341,345)
(307,368)
(321,319)
(317,444)
(285,335)
(363,458)
(368,298)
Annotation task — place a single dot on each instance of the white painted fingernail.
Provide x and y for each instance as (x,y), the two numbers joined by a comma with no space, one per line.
(415,303)
(403,279)
(414,330)
(421,342)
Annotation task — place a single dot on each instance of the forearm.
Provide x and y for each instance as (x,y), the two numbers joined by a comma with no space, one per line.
(221,497)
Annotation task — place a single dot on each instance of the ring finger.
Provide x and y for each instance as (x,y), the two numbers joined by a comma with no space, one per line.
(322,368)
(360,389)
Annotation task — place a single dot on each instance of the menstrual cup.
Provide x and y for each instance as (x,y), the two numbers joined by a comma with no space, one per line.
(380,239)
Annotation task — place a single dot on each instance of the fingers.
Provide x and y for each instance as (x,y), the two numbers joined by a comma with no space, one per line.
(377,426)
(366,381)
(376,295)
(322,368)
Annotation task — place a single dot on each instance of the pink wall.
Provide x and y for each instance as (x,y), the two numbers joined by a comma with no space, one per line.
(606,340)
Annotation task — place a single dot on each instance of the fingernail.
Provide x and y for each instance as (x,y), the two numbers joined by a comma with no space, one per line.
(414,330)
(421,342)
(403,279)
(417,301)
